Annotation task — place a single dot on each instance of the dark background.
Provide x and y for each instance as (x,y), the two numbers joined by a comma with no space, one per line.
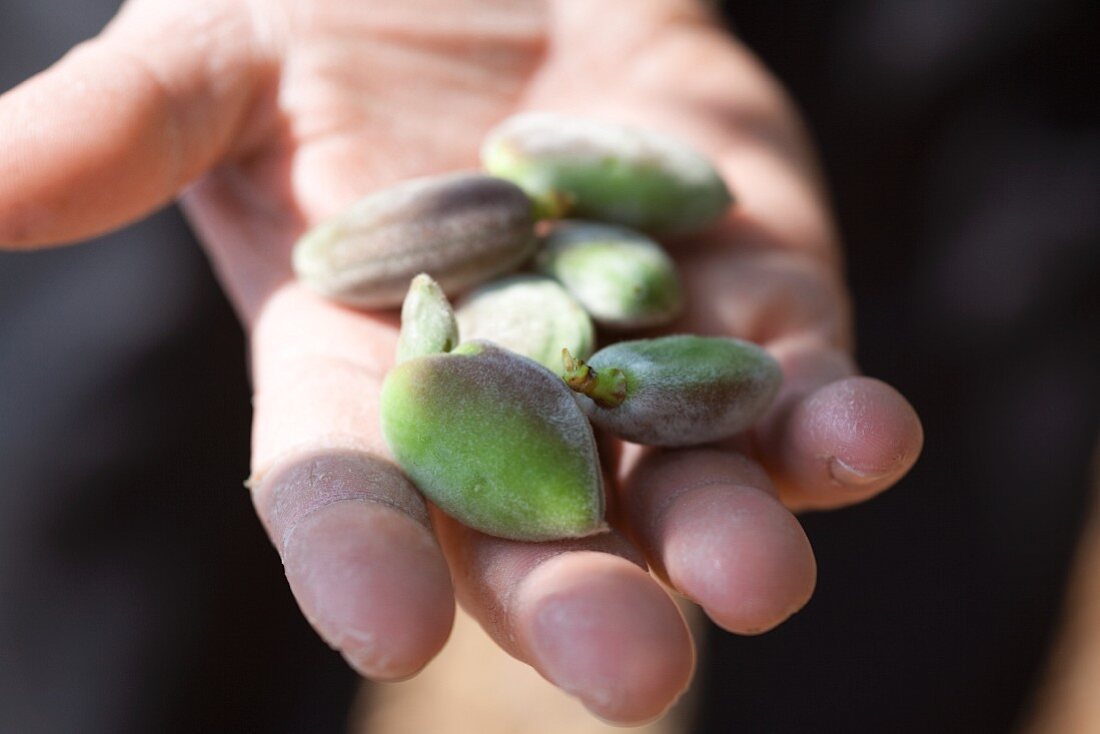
(961,142)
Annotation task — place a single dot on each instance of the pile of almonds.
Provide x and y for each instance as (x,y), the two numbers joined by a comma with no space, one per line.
(490,409)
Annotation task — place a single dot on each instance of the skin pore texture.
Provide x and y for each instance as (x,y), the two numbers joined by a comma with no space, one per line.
(267,117)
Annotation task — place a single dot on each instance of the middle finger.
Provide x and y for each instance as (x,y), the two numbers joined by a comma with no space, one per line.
(711,525)
(584,613)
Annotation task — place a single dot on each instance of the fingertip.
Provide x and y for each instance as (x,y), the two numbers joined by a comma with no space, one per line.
(597,626)
(848,441)
(876,429)
(360,557)
(373,583)
(712,526)
(740,554)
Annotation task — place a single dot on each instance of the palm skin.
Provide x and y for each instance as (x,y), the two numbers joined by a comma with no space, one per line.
(267,116)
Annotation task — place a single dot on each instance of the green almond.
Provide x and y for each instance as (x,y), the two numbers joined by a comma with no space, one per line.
(577,167)
(496,441)
(427,321)
(623,279)
(528,314)
(677,390)
(461,228)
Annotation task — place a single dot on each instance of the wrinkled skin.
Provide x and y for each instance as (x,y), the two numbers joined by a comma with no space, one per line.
(266,116)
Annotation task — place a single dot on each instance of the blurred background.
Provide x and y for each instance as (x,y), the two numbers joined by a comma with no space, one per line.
(961,141)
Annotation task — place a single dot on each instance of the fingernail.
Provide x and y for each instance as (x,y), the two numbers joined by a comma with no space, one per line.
(848,475)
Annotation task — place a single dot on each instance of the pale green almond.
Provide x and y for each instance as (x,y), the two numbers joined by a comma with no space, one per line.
(623,279)
(496,441)
(461,228)
(428,323)
(677,390)
(572,166)
(528,314)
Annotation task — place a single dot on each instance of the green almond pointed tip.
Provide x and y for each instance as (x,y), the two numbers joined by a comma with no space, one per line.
(428,323)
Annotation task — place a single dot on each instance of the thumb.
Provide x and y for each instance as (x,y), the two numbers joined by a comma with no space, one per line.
(116,127)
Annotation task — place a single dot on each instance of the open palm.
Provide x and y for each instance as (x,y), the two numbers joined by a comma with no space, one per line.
(266,116)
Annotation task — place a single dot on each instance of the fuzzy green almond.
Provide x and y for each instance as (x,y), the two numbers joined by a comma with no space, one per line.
(531,315)
(461,228)
(428,323)
(572,166)
(676,390)
(496,441)
(623,279)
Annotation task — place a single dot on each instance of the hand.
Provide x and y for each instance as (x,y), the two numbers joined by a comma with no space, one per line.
(265,116)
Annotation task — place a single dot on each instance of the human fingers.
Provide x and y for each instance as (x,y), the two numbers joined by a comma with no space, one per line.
(584,613)
(353,532)
(120,124)
(834,438)
(772,273)
(831,437)
(117,128)
(711,525)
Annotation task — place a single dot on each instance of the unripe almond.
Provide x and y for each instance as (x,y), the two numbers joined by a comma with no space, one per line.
(572,166)
(528,314)
(496,441)
(460,228)
(676,390)
(427,321)
(622,278)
